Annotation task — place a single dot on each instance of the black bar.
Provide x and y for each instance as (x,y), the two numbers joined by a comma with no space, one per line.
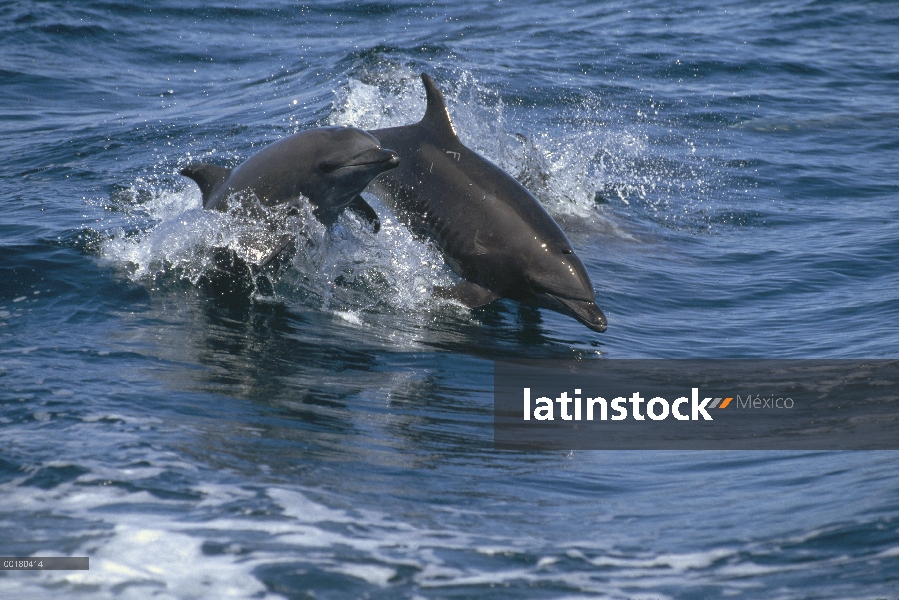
(44,563)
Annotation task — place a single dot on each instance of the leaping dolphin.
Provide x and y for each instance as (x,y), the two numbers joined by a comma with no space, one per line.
(491,230)
(330,166)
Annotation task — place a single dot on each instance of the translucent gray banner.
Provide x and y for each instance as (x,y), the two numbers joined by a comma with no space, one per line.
(697,404)
(44,563)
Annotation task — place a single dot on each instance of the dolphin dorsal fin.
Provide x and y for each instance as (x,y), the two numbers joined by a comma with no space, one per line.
(207,176)
(436,117)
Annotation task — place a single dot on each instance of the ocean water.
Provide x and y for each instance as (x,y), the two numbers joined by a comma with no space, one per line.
(727,172)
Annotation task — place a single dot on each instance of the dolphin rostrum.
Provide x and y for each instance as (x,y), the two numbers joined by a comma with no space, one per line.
(492,232)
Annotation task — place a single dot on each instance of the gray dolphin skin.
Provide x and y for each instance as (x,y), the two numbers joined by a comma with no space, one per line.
(328,165)
(491,230)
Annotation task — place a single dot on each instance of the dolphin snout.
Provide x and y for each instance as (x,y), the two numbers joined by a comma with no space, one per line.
(586,312)
(393,160)
(380,157)
(593,317)
(386,159)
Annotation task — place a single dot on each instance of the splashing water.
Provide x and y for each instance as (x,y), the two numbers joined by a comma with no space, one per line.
(183,234)
(588,156)
(347,268)
(574,166)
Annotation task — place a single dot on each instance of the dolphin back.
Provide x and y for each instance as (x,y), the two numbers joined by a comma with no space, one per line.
(436,119)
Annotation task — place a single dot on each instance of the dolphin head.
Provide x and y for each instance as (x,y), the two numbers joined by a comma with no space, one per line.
(557,280)
(349,159)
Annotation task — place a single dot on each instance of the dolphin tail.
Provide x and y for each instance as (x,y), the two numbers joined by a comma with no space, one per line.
(436,117)
(208,177)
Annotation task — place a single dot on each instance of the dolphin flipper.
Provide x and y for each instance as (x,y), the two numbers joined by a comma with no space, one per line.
(208,177)
(470,294)
(365,212)
(285,241)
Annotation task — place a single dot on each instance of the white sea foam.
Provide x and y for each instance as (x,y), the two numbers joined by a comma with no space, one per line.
(347,269)
(181,234)
(134,561)
(140,544)
(555,173)
(580,152)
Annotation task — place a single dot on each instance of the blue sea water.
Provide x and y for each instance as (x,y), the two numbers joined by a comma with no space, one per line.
(727,172)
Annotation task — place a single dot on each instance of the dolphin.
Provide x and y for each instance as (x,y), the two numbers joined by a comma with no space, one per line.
(330,166)
(492,232)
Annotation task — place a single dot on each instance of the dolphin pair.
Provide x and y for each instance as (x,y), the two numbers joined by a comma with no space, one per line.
(491,230)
